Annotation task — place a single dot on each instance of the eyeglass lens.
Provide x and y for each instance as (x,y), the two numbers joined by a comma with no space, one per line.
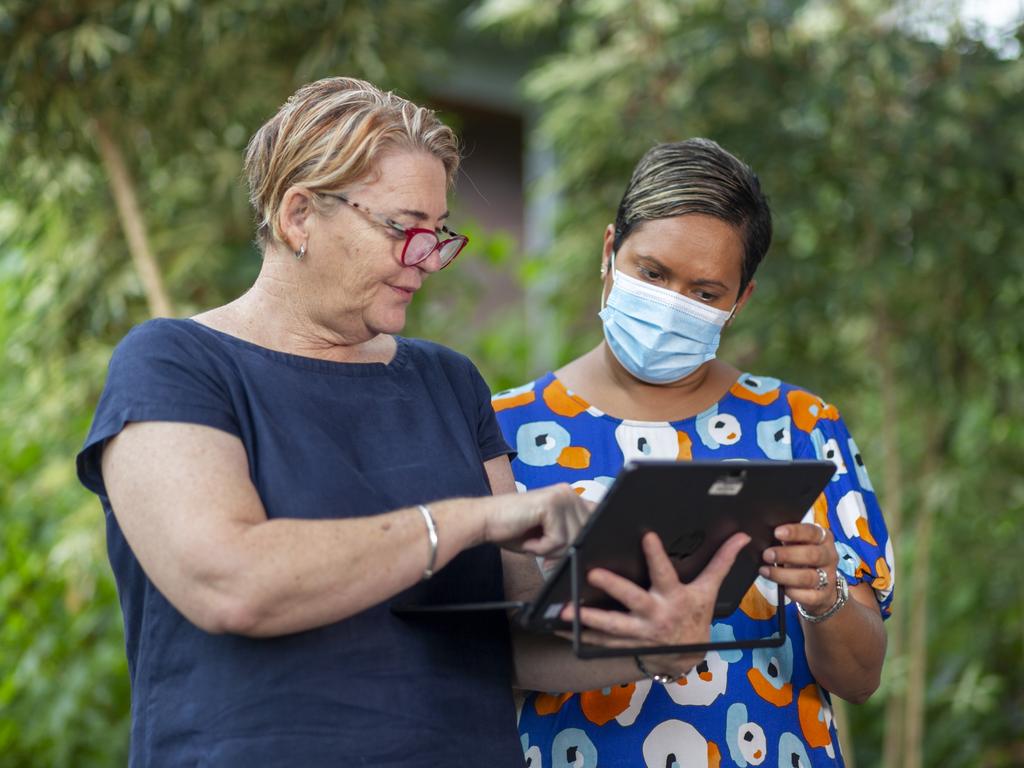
(451,248)
(422,244)
(420,247)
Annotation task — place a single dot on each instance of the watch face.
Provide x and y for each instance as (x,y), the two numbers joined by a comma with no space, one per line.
(843,586)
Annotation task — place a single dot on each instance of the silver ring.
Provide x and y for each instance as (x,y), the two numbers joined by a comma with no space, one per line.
(822,579)
(824,533)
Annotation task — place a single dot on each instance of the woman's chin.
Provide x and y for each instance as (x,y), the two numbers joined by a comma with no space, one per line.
(391,321)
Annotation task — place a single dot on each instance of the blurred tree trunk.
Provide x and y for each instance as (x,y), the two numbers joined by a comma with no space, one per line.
(917,649)
(842,721)
(122,186)
(892,478)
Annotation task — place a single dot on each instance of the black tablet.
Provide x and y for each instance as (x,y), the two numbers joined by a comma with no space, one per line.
(694,507)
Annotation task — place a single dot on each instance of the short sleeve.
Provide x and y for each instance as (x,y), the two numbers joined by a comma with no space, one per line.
(488,432)
(849,506)
(157,373)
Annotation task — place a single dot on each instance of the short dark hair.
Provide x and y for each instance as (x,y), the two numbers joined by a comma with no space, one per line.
(698,176)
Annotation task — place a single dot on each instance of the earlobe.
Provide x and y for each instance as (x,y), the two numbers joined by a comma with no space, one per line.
(741,302)
(294,213)
(609,245)
(747,293)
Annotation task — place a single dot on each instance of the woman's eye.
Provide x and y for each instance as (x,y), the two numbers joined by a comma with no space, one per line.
(649,274)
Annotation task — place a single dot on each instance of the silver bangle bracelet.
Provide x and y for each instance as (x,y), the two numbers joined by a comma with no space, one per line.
(431,541)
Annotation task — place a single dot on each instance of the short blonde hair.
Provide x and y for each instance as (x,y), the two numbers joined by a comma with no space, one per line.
(330,134)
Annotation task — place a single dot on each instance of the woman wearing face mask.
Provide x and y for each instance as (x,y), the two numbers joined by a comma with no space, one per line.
(678,267)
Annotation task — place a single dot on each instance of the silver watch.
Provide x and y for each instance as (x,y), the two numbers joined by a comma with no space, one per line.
(842,596)
(658,677)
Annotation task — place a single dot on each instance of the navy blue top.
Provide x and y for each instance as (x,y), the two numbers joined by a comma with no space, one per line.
(324,440)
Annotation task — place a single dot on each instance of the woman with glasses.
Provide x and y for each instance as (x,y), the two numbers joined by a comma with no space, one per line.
(277,472)
(678,266)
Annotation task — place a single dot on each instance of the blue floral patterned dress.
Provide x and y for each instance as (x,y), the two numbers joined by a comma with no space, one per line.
(735,708)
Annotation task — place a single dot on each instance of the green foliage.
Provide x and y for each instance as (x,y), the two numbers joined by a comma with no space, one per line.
(63,693)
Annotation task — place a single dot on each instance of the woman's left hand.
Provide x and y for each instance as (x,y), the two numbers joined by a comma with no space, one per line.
(669,613)
(805,565)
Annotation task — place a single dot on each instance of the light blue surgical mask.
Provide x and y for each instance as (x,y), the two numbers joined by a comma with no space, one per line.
(658,335)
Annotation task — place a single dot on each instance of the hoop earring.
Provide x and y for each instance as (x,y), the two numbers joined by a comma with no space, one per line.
(301,252)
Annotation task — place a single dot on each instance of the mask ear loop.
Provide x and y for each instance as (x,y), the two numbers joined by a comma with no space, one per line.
(732,314)
(611,266)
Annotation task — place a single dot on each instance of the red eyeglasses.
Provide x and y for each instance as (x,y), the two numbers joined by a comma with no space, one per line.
(419,242)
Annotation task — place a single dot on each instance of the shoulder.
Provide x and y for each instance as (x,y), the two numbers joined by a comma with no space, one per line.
(161,337)
(158,330)
(438,354)
(429,356)
(813,428)
(437,362)
(161,354)
(805,408)
(162,370)
(809,410)
(526,401)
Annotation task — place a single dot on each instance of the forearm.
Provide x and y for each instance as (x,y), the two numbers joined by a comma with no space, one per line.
(203,537)
(845,652)
(547,663)
(287,575)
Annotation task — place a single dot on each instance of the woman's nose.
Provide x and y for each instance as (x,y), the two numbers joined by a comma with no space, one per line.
(433,261)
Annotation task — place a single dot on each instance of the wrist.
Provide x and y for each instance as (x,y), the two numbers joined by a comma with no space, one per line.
(459,524)
(486,524)
(818,615)
(662,668)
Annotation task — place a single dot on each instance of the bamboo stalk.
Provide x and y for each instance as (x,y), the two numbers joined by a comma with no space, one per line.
(126,200)
(842,720)
(913,737)
(892,479)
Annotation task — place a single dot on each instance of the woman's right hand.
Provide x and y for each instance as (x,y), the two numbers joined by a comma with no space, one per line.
(542,522)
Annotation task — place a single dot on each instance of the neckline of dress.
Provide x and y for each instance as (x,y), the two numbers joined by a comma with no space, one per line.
(397,362)
(550,377)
